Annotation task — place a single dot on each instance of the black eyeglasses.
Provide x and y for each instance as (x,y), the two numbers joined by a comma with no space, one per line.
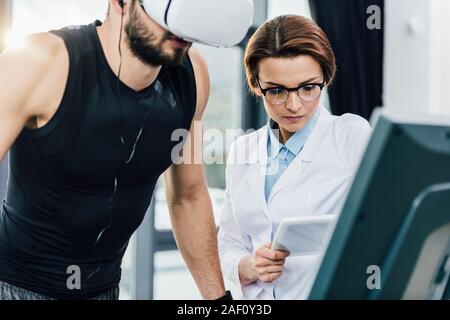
(278,95)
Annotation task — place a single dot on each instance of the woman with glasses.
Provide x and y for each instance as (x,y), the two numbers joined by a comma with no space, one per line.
(301,163)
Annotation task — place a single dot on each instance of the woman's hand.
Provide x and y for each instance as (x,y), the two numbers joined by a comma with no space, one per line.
(265,265)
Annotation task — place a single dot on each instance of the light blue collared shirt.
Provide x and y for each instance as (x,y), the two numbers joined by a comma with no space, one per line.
(282,155)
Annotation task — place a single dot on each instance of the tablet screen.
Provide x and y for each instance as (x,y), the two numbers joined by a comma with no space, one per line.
(304,235)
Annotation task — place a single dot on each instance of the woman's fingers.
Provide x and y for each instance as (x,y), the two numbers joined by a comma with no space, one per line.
(270,277)
(263,262)
(267,253)
(278,255)
(270,269)
(269,264)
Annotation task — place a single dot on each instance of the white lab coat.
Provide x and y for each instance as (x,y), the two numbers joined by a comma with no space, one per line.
(315,183)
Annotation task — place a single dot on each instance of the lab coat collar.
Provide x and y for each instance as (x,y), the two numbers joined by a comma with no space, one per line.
(259,154)
(296,142)
(258,159)
(256,172)
(256,148)
(273,140)
(312,145)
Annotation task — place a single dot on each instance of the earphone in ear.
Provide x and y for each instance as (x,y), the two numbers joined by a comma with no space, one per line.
(121,3)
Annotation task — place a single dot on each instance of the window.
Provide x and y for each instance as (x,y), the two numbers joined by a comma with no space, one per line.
(34,16)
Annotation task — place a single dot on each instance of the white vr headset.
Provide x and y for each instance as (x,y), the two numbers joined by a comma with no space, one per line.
(220,23)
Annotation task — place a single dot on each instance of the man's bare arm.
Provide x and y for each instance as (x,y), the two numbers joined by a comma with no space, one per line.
(190,204)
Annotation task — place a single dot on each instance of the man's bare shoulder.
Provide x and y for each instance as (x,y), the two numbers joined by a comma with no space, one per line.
(38,48)
(32,68)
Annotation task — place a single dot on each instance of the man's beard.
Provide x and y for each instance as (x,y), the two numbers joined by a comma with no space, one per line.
(144,46)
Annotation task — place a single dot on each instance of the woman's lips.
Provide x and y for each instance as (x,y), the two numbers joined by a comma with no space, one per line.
(294,119)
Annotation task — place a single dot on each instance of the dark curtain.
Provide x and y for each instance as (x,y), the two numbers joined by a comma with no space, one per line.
(359,53)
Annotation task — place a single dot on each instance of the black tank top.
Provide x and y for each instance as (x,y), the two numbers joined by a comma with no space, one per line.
(62,176)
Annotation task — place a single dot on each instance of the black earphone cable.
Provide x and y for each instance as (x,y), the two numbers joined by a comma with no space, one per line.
(127,159)
(110,200)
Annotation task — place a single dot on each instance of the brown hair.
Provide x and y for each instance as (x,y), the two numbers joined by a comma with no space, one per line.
(288,36)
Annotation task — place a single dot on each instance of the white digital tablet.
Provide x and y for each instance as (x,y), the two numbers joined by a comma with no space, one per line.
(304,236)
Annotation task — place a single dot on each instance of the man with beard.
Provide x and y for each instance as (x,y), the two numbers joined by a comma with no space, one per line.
(87,114)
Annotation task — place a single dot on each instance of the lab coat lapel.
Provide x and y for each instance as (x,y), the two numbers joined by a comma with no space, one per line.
(257,167)
(292,172)
(298,166)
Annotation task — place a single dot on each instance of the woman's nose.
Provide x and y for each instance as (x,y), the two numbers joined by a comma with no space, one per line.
(293,103)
